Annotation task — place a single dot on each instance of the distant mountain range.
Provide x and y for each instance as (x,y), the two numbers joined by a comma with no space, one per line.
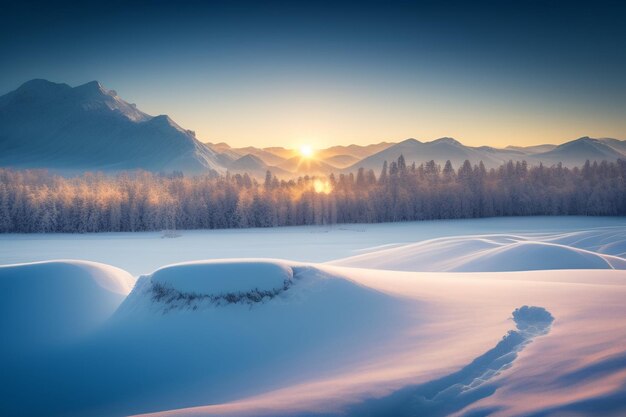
(573,153)
(90,128)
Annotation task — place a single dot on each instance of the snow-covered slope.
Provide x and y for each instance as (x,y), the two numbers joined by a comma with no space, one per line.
(503,252)
(337,341)
(255,167)
(142,252)
(482,344)
(533,149)
(267,337)
(269,158)
(51,303)
(49,125)
(576,152)
(573,153)
(439,150)
(341,161)
(210,332)
(336,156)
(356,151)
(281,152)
(616,144)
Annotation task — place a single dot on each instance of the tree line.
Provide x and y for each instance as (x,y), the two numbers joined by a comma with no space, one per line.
(33,201)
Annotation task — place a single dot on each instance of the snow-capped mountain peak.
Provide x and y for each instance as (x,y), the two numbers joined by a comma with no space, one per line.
(89,127)
(447,141)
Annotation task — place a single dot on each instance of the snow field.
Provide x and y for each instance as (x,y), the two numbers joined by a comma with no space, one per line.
(536,328)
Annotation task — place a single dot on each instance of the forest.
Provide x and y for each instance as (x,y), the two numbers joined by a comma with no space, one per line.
(34,201)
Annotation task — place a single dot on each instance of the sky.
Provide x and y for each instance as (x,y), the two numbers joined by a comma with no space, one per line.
(328,73)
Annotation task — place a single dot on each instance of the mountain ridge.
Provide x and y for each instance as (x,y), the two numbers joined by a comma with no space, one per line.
(571,153)
(55,126)
(90,128)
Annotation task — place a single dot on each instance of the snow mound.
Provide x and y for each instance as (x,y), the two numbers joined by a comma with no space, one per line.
(177,350)
(224,276)
(497,253)
(55,302)
(430,255)
(610,241)
(201,284)
(531,256)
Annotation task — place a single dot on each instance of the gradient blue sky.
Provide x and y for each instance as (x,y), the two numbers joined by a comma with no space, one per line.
(286,73)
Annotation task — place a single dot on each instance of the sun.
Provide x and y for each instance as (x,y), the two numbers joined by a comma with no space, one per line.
(306,151)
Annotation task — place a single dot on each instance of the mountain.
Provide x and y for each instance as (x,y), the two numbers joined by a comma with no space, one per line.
(616,144)
(576,152)
(255,167)
(50,125)
(573,153)
(247,162)
(357,151)
(440,151)
(528,150)
(305,166)
(336,156)
(326,160)
(226,155)
(90,128)
(281,152)
(219,147)
(256,161)
(266,156)
(341,161)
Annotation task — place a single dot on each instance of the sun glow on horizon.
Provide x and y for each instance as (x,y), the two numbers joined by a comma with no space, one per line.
(322,186)
(306,151)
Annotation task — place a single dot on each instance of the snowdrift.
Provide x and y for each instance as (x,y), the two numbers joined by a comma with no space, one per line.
(269,337)
(204,284)
(143,252)
(212,331)
(608,240)
(225,277)
(562,344)
(531,256)
(56,302)
(494,253)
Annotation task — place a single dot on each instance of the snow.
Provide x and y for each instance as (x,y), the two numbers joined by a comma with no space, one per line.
(439,150)
(44,125)
(391,334)
(452,392)
(490,253)
(255,167)
(143,252)
(174,355)
(222,276)
(469,337)
(571,153)
(56,302)
(576,152)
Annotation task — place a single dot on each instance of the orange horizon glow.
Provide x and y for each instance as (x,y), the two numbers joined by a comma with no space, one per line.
(306,151)
(322,186)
